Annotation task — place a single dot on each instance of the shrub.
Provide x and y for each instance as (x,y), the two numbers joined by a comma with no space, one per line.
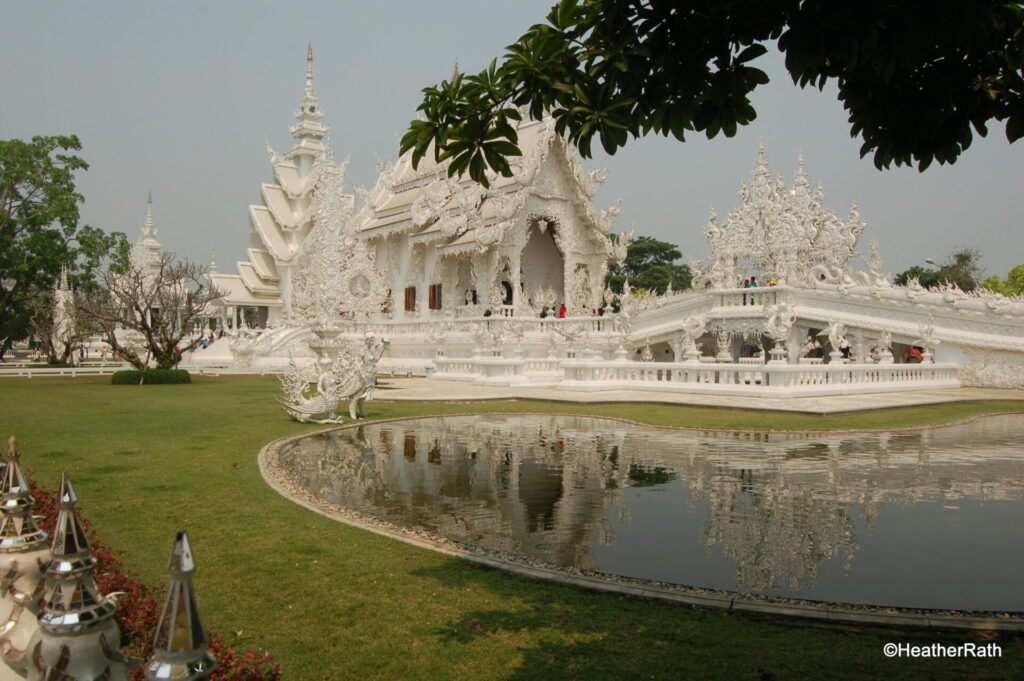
(138,612)
(150,376)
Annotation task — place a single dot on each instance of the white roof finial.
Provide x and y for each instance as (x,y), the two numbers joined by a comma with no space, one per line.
(148,230)
(309,68)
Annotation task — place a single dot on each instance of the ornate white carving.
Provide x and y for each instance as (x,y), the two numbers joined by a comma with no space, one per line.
(993,369)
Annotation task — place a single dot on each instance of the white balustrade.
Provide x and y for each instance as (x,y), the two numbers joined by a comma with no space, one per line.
(783,380)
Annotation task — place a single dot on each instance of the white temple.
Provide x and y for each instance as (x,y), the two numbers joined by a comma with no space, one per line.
(456,277)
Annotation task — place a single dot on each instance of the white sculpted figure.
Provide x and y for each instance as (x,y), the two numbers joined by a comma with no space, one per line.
(313,395)
(693,328)
(781,318)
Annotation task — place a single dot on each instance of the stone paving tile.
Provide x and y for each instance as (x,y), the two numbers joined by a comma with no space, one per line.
(426,389)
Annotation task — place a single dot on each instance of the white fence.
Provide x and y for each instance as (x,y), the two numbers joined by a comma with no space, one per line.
(30,371)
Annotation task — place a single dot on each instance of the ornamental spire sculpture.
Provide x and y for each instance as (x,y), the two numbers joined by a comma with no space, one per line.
(780,233)
(24,555)
(180,646)
(78,638)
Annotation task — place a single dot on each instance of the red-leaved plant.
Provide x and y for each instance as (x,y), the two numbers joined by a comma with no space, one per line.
(138,612)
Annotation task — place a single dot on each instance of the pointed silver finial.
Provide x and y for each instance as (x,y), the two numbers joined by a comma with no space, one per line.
(66,494)
(180,647)
(18,531)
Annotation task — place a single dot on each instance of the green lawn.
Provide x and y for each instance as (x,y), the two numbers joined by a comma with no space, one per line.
(333,602)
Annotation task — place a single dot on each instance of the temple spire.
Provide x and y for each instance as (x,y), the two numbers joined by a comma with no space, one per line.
(309,69)
(148,231)
(308,115)
(801,183)
(180,646)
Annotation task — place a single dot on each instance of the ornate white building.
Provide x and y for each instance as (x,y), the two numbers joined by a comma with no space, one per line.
(443,244)
(465,273)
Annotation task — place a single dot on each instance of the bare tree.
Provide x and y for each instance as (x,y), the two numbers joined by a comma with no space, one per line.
(60,330)
(146,311)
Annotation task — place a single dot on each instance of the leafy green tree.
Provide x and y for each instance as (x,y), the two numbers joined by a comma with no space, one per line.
(1012,285)
(650,264)
(962,268)
(926,276)
(918,77)
(39,230)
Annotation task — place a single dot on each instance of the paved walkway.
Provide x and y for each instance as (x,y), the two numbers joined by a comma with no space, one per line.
(426,389)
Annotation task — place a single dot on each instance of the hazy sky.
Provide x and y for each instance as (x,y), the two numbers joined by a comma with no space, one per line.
(181,97)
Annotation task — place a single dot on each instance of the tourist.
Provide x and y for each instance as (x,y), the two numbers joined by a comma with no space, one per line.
(751,283)
(873,355)
(913,355)
(561,311)
(745,284)
(487,312)
(544,312)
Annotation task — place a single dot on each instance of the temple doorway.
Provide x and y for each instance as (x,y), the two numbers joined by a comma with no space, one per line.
(542,264)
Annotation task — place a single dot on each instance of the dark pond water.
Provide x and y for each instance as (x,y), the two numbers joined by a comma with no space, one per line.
(931,518)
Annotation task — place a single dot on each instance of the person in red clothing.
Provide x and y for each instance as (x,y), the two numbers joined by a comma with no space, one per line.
(561,311)
(913,355)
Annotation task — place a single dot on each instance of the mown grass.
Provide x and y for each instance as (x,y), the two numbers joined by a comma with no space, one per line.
(333,602)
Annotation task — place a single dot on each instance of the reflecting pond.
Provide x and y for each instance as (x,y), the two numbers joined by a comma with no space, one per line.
(925,518)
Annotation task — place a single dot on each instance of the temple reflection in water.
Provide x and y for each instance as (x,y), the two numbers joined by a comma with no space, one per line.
(758,513)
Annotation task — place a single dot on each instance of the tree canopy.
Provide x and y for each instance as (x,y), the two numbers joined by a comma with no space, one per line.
(1012,285)
(650,264)
(918,77)
(961,268)
(39,230)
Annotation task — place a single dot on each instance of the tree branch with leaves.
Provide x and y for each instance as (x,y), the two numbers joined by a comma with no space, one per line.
(39,230)
(919,78)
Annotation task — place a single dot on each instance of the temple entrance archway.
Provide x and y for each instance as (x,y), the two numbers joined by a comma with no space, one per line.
(542,264)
